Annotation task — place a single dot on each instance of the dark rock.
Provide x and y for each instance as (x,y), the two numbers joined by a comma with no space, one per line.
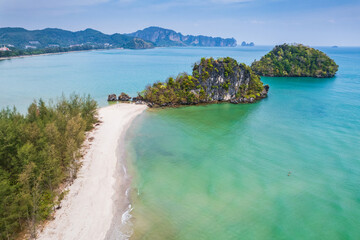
(138,98)
(124,97)
(266,87)
(112,97)
(264,92)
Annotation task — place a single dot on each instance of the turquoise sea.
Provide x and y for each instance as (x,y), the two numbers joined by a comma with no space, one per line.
(221,171)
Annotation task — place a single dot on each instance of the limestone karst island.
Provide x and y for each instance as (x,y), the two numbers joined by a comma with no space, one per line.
(295,61)
(212,81)
(179,120)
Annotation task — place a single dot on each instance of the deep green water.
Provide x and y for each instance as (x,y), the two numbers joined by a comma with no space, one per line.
(221,171)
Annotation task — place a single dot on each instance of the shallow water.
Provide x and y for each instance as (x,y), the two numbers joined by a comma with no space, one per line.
(221,171)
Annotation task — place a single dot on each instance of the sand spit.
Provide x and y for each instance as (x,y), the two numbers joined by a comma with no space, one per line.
(88,210)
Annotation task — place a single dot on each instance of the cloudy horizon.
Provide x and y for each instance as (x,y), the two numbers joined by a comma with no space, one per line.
(314,23)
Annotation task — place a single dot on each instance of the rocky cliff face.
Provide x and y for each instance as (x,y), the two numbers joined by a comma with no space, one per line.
(166,37)
(226,80)
(221,85)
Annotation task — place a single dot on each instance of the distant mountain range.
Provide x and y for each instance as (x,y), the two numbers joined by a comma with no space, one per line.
(162,37)
(20,38)
(53,37)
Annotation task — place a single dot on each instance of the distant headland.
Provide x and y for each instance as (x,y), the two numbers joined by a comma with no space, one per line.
(245,44)
(162,37)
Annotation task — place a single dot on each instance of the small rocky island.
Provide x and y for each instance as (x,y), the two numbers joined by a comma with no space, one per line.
(295,60)
(212,81)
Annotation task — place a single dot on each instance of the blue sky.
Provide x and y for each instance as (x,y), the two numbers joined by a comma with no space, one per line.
(265,22)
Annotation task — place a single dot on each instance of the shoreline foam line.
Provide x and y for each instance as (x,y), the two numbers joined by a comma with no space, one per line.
(89,211)
(121,227)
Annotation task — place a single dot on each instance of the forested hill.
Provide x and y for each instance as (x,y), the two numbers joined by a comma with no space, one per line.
(295,60)
(21,38)
(162,37)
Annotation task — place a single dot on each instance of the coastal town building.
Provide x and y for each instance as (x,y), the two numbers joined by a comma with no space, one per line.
(76,45)
(4,49)
(31,47)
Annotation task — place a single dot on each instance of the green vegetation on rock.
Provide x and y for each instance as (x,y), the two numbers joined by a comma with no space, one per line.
(38,152)
(211,81)
(295,61)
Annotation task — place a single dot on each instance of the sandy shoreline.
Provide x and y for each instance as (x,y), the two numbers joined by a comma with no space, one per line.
(55,53)
(97,198)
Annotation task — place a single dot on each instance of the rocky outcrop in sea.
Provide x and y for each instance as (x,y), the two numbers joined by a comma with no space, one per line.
(220,80)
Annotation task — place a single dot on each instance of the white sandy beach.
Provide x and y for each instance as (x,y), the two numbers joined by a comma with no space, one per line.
(88,210)
(55,53)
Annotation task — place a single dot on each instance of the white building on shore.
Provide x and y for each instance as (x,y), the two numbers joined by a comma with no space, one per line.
(4,49)
(29,46)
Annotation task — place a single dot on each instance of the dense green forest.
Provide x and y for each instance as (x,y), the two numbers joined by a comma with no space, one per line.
(295,61)
(38,152)
(212,80)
